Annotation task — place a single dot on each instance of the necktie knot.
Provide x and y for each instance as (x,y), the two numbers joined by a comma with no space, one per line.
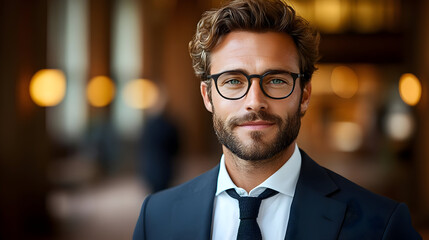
(249,209)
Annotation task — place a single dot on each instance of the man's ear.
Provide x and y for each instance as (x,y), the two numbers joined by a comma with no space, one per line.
(205,94)
(305,99)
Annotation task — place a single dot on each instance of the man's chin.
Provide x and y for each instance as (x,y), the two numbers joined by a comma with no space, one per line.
(256,156)
(255,151)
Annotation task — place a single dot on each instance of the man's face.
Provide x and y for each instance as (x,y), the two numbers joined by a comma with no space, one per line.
(256,127)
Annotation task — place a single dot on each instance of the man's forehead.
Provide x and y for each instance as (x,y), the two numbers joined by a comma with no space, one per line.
(245,47)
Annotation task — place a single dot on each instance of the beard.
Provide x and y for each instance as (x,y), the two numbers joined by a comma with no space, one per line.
(258,149)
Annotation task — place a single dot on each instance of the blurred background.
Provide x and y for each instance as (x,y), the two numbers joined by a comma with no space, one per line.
(99,107)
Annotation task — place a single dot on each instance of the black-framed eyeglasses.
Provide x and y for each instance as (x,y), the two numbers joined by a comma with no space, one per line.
(276,84)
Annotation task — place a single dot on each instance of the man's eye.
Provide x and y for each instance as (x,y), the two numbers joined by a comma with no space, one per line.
(233,81)
(277,81)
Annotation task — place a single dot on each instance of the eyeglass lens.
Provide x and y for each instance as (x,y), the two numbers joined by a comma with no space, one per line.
(235,84)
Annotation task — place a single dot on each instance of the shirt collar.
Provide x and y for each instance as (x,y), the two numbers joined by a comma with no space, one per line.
(283,180)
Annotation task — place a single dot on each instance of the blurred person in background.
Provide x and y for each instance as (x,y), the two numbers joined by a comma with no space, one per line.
(159,145)
(255,59)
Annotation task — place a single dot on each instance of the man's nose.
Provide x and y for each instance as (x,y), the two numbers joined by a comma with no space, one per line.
(255,98)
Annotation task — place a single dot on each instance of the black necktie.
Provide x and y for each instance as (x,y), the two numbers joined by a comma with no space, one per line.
(249,209)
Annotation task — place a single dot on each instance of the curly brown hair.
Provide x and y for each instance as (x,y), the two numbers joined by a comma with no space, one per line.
(257,16)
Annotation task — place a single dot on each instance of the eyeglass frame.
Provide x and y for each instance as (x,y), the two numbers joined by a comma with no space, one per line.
(295,76)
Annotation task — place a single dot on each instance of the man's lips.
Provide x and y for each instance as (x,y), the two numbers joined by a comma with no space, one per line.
(256,125)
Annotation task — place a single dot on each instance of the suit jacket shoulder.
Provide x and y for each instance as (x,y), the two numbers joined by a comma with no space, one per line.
(182,212)
(337,208)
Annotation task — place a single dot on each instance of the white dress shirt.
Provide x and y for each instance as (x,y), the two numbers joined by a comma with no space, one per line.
(274,211)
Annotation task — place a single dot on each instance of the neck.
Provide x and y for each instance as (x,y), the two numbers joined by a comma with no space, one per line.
(248,174)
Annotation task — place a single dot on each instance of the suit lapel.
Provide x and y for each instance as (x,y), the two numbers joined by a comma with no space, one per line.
(196,203)
(313,214)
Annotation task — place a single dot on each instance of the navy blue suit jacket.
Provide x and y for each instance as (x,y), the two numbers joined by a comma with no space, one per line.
(325,206)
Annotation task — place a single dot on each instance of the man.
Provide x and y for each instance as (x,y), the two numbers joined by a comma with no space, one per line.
(255,59)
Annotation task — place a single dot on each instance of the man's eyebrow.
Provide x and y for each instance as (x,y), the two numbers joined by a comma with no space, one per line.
(265,71)
(235,70)
(276,69)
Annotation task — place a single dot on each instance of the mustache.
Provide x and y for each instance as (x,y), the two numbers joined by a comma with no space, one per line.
(254,116)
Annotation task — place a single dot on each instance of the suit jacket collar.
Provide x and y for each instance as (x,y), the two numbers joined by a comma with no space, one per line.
(314,215)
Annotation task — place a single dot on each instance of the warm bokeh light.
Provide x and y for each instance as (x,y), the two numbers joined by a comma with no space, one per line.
(329,15)
(100,91)
(344,82)
(369,15)
(140,93)
(399,126)
(345,136)
(336,16)
(48,87)
(410,89)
